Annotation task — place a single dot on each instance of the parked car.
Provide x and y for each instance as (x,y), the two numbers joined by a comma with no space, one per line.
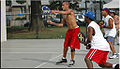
(49,17)
(80,20)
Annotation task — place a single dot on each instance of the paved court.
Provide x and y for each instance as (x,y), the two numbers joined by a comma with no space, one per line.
(41,53)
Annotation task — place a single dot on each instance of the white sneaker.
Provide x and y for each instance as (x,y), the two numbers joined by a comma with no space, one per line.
(118,55)
(71,63)
(113,56)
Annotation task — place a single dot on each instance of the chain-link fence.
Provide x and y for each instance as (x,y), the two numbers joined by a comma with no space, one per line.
(26,20)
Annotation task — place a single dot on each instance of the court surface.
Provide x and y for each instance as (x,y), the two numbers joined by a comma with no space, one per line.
(41,53)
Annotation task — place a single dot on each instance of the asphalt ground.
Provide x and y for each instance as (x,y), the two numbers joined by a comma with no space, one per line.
(42,53)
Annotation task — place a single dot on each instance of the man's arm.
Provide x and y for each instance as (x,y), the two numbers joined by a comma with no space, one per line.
(62,12)
(56,24)
(110,26)
(117,20)
(90,33)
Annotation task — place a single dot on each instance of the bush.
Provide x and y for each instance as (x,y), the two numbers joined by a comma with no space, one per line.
(18,18)
(15,29)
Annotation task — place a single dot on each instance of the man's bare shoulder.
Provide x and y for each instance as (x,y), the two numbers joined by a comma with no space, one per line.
(70,10)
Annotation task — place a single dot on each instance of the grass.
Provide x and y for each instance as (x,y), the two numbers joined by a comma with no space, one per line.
(48,33)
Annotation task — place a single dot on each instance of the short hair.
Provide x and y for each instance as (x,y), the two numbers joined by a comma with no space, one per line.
(113,11)
(66,2)
(106,9)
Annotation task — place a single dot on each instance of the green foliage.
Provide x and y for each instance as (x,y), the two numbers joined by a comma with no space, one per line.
(48,33)
(18,18)
(14,29)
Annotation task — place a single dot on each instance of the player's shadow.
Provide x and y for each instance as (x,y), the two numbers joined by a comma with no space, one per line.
(44,61)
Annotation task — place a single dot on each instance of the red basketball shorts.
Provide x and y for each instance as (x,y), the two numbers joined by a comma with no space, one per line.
(71,38)
(97,56)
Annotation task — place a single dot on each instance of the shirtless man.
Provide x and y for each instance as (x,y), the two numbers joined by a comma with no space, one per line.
(71,35)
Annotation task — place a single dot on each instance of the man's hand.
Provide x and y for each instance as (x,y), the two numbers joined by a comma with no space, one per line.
(88,45)
(50,22)
(101,24)
(52,12)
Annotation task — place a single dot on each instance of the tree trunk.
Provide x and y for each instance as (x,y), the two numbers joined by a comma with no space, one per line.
(36,17)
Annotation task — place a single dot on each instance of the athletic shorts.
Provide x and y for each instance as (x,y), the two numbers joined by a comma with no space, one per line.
(109,38)
(97,56)
(71,38)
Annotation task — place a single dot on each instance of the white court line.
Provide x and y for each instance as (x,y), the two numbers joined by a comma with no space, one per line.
(41,52)
(47,62)
(29,52)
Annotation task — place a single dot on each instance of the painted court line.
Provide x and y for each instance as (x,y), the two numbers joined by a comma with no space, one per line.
(42,52)
(47,62)
(29,52)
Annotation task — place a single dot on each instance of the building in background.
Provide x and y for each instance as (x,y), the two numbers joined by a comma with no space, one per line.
(13,8)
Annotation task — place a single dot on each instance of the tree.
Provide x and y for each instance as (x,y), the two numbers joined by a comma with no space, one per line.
(36,17)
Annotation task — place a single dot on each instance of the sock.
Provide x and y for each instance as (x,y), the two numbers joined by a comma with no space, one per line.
(63,58)
(115,54)
(114,65)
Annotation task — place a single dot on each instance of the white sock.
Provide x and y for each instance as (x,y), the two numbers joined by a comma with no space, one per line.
(114,65)
(63,58)
(115,53)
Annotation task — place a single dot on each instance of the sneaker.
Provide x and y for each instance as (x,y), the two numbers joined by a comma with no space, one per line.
(118,55)
(117,66)
(72,62)
(113,56)
(62,61)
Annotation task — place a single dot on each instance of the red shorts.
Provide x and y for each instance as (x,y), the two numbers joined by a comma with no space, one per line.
(97,56)
(71,38)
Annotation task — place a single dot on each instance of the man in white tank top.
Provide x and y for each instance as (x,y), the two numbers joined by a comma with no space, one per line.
(109,29)
(117,22)
(99,46)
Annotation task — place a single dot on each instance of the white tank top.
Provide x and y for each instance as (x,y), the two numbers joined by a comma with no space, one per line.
(98,41)
(109,32)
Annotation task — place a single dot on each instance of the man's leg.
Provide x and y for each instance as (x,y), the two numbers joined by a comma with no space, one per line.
(72,54)
(110,39)
(72,61)
(109,65)
(112,47)
(88,63)
(113,50)
(63,60)
(65,52)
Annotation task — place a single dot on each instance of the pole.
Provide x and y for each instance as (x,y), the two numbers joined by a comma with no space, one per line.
(85,5)
(37,18)
(100,10)
(27,10)
(86,11)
